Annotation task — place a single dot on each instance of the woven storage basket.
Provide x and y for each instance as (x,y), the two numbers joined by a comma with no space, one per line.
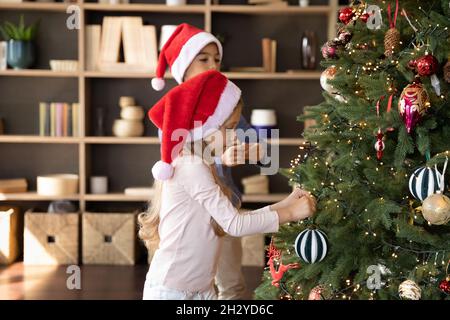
(109,238)
(9,234)
(51,238)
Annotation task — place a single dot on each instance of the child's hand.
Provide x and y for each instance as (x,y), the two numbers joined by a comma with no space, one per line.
(296,194)
(302,208)
(239,153)
(299,205)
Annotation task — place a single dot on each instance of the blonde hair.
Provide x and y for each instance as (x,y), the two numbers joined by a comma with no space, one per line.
(149,219)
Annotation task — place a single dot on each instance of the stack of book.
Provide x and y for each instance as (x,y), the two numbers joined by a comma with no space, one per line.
(280,3)
(138,41)
(59,119)
(257,184)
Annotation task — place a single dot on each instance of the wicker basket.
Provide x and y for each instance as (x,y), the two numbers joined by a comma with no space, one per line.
(51,238)
(109,238)
(9,234)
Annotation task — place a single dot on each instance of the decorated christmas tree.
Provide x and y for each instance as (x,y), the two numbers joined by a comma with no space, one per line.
(376,161)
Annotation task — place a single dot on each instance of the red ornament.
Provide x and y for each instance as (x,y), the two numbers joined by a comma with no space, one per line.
(277,275)
(364,17)
(427,65)
(444,285)
(412,104)
(329,50)
(379,145)
(346,15)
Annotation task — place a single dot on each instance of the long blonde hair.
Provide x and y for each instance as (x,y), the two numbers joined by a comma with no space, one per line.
(149,219)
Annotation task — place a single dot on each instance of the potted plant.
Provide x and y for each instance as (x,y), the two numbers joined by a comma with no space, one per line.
(20,48)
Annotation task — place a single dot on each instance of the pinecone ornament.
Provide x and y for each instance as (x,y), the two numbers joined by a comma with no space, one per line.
(447,71)
(391,41)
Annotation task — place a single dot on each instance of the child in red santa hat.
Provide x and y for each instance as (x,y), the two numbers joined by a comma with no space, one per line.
(191,210)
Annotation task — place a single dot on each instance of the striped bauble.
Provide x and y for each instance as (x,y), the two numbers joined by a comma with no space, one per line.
(311,245)
(424,182)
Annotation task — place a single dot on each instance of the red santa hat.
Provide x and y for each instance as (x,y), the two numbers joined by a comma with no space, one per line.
(179,51)
(190,112)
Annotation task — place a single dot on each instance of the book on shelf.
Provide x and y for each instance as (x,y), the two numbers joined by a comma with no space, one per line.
(269,54)
(138,41)
(13,185)
(133,46)
(58,119)
(93,36)
(110,39)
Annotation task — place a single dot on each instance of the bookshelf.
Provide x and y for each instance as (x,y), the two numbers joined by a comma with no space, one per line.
(121,158)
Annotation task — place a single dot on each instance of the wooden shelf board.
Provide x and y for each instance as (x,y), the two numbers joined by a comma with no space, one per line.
(39,6)
(144,7)
(269,198)
(301,75)
(304,75)
(37,139)
(38,73)
(112,140)
(33,196)
(116,197)
(117,140)
(272,10)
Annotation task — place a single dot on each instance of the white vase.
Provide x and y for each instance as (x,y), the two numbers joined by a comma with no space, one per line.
(303,3)
(175,2)
(99,184)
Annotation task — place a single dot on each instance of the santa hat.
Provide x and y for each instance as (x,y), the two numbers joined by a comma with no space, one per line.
(180,50)
(190,112)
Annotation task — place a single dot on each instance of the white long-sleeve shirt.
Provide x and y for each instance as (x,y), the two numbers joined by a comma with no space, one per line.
(189,249)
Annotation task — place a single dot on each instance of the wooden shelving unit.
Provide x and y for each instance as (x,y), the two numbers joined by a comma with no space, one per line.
(84,142)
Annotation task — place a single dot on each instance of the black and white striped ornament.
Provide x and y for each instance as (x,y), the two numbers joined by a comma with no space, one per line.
(311,245)
(424,182)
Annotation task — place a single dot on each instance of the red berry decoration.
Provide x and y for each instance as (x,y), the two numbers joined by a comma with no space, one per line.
(364,17)
(346,15)
(426,65)
(444,285)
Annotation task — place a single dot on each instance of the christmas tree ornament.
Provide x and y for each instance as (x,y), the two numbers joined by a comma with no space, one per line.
(424,182)
(409,290)
(311,245)
(277,268)
(392,36)
(446,71)
(364,17)
(329,49)
(426,66)
(328,74)
(413,104)
(379,144)
(344,36)
(444,285)
(436,209)
(346,15)
(316,293)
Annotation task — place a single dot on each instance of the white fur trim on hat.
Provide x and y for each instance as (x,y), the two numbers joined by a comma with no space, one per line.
(158,84)
(227,102)
(162,170)
(189,51)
